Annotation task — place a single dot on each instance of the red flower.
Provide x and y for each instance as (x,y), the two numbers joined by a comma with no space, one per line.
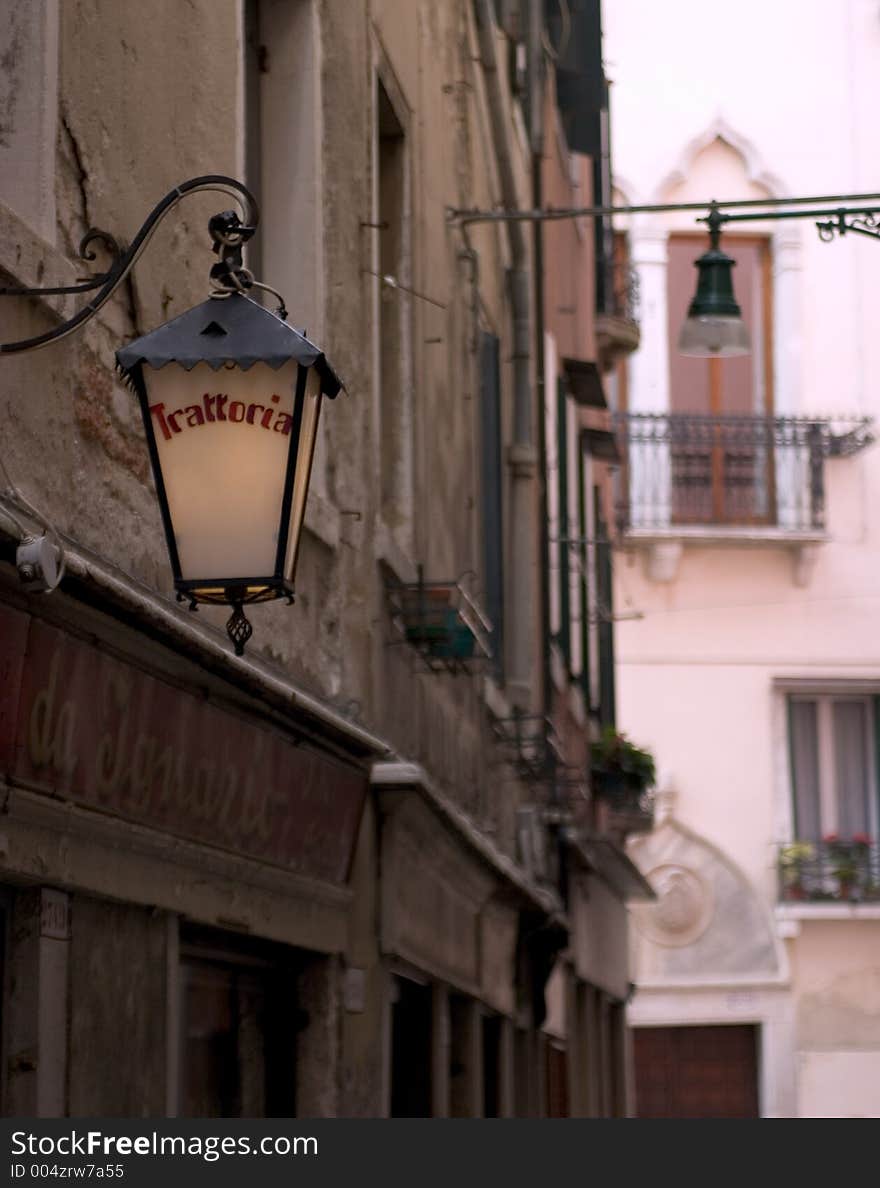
(830,838)
(861,839)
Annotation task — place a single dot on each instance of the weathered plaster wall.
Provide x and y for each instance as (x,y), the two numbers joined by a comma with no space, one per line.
(837,967)
(74,443)
(148,96)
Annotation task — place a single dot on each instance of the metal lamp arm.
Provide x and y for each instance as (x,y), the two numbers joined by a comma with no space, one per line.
(229,248)
(838,219)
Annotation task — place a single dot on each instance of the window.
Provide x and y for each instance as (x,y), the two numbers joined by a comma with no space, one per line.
(832,741)
(281,159)
(741,385)
(585,551)
(722,470)
(394,313)
(562,440)
(567,528)
(605,613)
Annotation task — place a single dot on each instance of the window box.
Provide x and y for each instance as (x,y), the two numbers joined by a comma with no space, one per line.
(442,622)
(623,777)
(831,871)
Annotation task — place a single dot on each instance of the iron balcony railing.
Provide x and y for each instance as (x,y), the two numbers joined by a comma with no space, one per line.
(697,470)
(626,291)
(829,872)
(617,279)
(531,744)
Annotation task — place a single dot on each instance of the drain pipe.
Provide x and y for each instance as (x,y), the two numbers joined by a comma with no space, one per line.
(536,83)
(522,455)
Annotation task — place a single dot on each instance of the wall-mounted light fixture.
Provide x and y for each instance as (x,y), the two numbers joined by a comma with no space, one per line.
(714,326)
(230,397)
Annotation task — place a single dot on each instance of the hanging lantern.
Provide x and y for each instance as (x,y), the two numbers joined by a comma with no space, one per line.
(714,327)
(230,397)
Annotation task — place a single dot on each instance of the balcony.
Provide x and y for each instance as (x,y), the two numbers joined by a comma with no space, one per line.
(829,872)
(713,479)
(529,742)
(617,318)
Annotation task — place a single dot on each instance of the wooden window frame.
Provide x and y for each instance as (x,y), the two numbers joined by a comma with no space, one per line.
(719,513)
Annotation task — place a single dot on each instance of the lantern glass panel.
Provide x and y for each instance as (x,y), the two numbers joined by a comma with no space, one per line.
(222,439)
(307,439)
(714,337)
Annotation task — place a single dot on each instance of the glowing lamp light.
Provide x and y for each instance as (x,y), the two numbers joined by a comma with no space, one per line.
(230,397)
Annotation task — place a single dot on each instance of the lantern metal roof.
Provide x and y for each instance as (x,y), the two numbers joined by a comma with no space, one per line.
(231,329)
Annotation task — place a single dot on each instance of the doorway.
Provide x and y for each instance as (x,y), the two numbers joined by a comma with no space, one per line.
(696,1072)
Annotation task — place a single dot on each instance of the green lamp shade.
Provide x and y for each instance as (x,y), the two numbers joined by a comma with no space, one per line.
(714,327)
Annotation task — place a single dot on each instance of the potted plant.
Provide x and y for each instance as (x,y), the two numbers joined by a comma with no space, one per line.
(849,861)
(793,859)
(619,767)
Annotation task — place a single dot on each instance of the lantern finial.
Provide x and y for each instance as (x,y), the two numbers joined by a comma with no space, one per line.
(238,628)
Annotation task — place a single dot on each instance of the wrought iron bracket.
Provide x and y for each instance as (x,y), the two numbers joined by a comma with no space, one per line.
(865,223)
(861,220)
(84,284)
(227,231)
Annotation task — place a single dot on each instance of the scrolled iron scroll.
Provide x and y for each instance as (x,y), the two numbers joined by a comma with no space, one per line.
(124,261)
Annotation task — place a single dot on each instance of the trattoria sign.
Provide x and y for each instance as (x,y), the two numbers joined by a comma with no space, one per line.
(79,723)
(216,408)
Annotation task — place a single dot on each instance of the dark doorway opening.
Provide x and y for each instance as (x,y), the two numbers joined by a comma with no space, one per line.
(411,1051)
(491,1062)
(239,1020)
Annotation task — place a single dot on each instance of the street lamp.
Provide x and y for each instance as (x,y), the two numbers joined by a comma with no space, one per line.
(714,327)
(230,397)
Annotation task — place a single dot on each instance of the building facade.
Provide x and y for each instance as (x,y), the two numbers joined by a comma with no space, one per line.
(322,879)
(749,555)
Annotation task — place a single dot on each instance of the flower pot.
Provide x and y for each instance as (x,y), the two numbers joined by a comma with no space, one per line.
(616,784)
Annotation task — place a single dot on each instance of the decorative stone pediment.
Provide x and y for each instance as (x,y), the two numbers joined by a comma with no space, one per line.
(708,924)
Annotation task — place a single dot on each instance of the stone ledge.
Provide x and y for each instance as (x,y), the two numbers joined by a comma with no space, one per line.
(719,534)
(790,917)
(664,547)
